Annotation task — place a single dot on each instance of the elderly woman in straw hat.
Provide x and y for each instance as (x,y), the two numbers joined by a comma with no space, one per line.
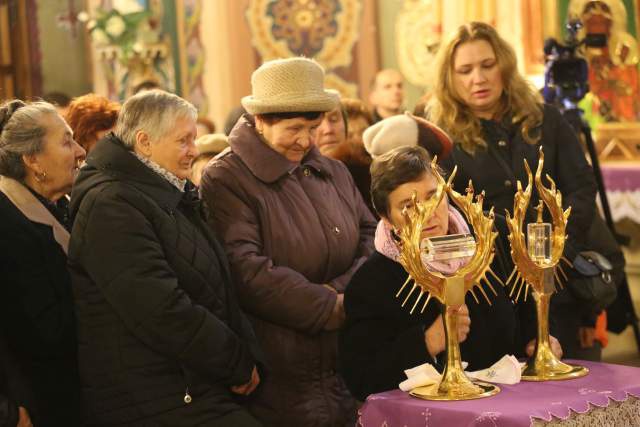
(38,163)
(295,229)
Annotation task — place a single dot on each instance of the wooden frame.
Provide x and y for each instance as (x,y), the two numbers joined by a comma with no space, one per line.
(16,70)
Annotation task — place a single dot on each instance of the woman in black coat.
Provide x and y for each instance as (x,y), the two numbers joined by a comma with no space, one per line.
(37,315)
(497,121)
(38,163)
(161,338)
(11,413)
(380,339)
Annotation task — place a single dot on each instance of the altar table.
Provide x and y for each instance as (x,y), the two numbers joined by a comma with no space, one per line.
(614,388)
(622,184)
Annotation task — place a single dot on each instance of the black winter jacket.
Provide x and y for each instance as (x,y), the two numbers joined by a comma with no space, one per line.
(157,314)
(37,321)
(497,169)
(8,408)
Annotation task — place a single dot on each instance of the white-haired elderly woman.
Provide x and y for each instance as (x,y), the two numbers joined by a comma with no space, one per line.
(161,338)
(38,163)
(296,229)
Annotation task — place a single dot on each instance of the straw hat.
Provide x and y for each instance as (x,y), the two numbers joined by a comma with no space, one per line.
(213,143)
(406,130)
(287,86)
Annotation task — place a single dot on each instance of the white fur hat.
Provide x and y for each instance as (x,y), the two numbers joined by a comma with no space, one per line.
(287,86)
(406,130)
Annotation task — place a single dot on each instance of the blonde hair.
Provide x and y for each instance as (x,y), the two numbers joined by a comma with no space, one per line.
(519,97)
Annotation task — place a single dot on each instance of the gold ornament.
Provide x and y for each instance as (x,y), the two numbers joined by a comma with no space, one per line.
(449,290)
(540,275)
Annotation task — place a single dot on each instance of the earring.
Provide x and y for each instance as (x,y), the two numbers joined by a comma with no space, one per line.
(41,176)
(395,234)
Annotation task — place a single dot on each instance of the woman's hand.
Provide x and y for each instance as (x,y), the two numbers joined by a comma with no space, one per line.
(247,389)
(434,336)
(337,315)
(556,348)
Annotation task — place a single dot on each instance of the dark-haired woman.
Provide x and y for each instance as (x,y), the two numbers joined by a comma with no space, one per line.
(38,163)
(380,338)
(296,229)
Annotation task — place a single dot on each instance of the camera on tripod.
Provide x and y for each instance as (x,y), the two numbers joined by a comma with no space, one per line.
(566,77)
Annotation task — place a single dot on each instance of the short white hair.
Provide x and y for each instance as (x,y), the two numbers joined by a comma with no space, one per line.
(153,112)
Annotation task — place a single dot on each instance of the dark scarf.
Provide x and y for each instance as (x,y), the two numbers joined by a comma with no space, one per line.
(59,209)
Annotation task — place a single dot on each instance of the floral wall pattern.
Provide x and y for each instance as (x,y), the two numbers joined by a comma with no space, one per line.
(614,73)
(325,30)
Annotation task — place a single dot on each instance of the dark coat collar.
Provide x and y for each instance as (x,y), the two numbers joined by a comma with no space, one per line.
(110,160)
(264,162)
(33,209)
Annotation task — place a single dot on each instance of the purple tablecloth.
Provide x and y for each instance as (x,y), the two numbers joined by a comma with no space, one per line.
(621,177)
(622,183)
(515,405)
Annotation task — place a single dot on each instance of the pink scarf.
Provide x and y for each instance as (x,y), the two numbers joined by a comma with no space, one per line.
(387,246)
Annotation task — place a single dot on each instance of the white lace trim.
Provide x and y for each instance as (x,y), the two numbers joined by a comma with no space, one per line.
(173,180)
(626,413)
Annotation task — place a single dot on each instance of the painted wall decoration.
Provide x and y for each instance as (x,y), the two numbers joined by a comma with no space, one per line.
(130,46)
(614,76)
(325,30)
(56,40)
(421,25)
(418,35)
(637,12)
(192,53)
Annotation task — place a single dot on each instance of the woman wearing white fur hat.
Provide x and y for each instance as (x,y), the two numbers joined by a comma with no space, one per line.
(295,229)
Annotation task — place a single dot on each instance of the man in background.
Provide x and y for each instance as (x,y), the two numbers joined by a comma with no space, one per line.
(387,94)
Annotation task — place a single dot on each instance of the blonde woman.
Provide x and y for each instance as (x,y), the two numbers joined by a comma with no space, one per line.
(497,120)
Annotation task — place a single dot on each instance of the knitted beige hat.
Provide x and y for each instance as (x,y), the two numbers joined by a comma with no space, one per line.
(406,130)
(213,143)
(287,86)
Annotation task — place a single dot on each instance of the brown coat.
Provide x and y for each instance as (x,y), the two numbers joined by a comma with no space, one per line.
(289,229)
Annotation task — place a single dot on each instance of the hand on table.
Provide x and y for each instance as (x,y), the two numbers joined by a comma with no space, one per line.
(556,348)
(434,336)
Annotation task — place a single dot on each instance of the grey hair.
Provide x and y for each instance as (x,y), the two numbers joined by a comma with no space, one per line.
(153,112)
(22,133)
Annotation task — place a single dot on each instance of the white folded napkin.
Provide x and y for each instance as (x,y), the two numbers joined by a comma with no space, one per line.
(505,371)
